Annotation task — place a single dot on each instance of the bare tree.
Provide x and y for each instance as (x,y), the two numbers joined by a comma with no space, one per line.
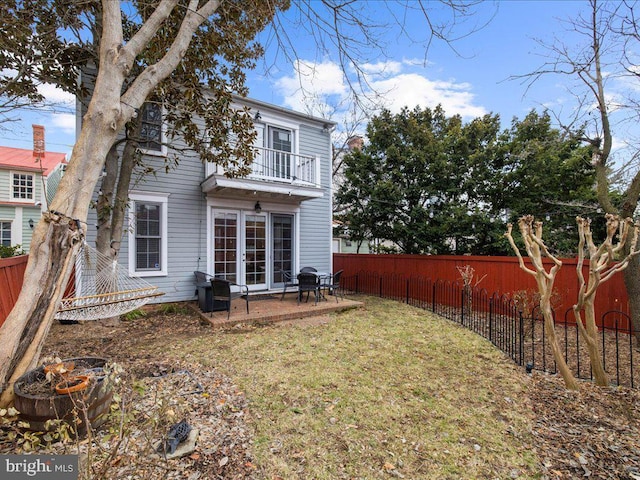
(531,232)
(602,63)
(602,266)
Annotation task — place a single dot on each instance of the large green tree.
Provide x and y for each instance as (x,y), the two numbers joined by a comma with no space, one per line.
(434,184)
(548,173)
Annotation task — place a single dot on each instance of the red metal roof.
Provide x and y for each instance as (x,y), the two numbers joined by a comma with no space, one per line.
(23,159)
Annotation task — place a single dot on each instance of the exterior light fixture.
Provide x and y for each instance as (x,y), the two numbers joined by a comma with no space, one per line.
(30,222)
(257,116)
(257,207)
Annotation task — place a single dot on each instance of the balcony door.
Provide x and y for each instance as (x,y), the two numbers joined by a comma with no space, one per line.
(240,247)
(281,144)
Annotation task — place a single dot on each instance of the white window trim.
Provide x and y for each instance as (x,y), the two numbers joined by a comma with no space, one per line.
(22,200)
(163,199)
(163,137)
(11,230)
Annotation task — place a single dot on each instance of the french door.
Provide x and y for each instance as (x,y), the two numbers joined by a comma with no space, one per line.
(252,248)
(240,247)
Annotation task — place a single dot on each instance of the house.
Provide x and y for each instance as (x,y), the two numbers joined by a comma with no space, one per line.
(343,243)
(27,184)
(247,230)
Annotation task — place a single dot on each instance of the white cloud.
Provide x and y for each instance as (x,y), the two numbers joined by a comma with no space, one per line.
(53,94)
(314,85)
(321,85)
(64,121)
(382,68)
(411,90)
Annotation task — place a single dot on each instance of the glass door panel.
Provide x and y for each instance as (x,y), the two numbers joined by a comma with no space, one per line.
(225,246)
(255,253)
(282,234)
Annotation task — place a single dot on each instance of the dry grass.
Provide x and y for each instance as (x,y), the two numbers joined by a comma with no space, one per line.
(389,390)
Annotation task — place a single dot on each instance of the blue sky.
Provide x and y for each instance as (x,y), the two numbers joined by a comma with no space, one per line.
(472,82)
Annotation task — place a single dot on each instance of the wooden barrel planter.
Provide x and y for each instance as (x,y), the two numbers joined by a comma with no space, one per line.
(38,408)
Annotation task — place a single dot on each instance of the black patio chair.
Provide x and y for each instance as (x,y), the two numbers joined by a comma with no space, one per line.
(332,285)
(222,293)
(289,282)
(308,269)
(308,282)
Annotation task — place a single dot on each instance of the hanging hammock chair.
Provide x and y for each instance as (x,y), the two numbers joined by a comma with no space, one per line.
(100,288)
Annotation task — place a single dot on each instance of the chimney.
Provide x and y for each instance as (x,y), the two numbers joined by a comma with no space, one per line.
(355,143)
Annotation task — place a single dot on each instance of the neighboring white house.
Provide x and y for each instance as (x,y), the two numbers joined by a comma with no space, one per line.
(27,184)
(194,218)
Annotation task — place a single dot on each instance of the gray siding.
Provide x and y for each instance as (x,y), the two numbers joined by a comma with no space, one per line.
(315,215)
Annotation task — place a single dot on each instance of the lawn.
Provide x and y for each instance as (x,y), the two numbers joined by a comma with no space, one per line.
(380,392)
(388,390)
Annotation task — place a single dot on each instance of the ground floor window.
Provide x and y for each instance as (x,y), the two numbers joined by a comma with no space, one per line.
(5,234)
(148,234)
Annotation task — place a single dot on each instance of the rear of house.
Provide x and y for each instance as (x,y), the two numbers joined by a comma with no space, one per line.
(27,184)
(247,230)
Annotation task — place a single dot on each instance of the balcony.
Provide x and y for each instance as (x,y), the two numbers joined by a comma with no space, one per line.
(275,173)
(274,165)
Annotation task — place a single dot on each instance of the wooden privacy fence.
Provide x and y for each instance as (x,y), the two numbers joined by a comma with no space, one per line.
(11,275)
(502,275)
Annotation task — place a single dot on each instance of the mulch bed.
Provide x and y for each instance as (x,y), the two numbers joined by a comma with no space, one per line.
(593,433)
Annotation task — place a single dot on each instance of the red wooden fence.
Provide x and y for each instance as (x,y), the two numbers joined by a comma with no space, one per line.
(11,274)
(503,275)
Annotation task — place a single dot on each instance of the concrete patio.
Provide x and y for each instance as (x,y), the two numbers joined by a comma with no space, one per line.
(266,309)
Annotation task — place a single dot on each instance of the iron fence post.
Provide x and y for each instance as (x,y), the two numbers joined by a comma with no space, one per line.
(407,293)
(433,298)
(521,356)
(491,320)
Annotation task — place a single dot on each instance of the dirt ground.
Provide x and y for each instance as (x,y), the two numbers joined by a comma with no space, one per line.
(593,433)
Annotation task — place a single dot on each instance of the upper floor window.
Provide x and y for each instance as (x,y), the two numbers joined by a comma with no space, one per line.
(5,234)
(151,132)
(22,186)
(280,139)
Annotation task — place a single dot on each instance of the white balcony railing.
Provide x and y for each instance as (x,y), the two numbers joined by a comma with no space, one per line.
(281,166)
(277,166)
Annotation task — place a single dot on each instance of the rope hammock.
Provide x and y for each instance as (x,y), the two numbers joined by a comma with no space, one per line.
(100,288)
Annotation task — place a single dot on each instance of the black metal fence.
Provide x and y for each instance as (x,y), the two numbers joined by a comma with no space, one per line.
(499,319)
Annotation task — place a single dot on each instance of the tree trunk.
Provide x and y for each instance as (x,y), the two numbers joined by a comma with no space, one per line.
(589,333)
(54,244)
(546,288)
(632,282)
(112,202)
